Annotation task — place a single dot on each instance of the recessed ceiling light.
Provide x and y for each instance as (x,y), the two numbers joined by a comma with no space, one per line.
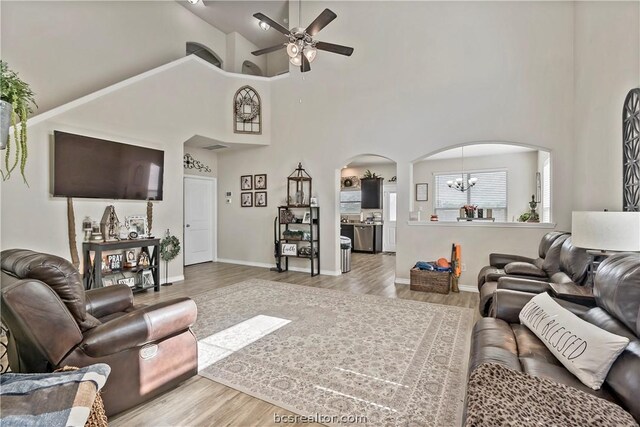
(193,1)
(264,25)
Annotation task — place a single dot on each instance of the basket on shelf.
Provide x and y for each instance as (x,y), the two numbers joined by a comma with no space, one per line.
(430,281)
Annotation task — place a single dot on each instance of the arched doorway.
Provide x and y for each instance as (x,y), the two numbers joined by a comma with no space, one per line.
(201,51)
(252,69)
(368,204)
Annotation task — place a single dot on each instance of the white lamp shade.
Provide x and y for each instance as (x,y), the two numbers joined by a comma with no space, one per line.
(607,231)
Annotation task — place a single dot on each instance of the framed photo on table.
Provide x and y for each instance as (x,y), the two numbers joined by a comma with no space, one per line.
(422,192)
(246,182)
(137,224)
(246,200)
(260,182)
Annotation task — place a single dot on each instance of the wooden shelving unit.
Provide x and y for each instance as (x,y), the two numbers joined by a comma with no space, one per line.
(92,271)
(312,228)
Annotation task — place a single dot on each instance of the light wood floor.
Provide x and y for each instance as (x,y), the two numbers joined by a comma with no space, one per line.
(200,401)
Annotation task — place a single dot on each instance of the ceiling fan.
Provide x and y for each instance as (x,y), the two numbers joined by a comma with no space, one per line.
(302,47)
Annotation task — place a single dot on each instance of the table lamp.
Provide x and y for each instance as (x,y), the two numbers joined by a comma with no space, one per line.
(606,231)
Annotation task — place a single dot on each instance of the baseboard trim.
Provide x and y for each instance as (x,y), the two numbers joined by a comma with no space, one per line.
(468,288)
(265,265)
(464,288)
(172,279)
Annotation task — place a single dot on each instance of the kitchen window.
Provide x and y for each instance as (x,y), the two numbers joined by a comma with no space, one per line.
(350,201)
(490,192)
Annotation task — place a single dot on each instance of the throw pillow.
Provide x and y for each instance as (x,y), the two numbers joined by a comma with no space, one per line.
(584,349)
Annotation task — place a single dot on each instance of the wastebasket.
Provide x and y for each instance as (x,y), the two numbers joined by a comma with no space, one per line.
(345,254)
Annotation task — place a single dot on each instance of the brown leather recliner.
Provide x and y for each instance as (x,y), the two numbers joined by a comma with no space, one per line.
(502,339)
(52,322)
(574,263)
(546,264)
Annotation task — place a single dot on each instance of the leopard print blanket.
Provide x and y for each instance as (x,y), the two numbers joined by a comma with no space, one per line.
(498,396)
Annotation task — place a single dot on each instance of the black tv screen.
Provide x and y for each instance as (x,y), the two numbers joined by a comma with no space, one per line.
(96,168)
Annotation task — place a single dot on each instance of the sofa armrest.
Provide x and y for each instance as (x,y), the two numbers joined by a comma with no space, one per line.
(524,269)
(500,260)
(523,285)
(109,299)
(507,304)
(140,327)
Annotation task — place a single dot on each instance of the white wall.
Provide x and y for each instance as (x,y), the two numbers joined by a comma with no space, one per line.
(67,49)
(277,63)
(486,72)
(607,66)
(239,50)
(521,178)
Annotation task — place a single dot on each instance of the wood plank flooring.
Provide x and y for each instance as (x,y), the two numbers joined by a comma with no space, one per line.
(200,401)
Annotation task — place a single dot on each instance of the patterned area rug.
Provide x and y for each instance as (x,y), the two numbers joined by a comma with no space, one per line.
(388,361)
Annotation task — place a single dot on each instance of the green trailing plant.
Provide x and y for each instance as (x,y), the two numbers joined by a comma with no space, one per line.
(18,93)
(369,174)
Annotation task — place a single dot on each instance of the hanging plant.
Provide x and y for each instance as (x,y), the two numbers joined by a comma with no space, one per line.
(16,92)
(169,248)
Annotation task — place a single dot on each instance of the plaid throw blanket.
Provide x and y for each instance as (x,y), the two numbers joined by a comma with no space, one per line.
(51,399)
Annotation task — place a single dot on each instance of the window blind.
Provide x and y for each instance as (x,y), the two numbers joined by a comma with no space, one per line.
(490,192)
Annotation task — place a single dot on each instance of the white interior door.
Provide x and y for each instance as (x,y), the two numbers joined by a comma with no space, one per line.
(389,214)
(199,220)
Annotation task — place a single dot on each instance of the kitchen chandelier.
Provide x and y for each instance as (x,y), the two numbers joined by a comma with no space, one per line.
(459,183)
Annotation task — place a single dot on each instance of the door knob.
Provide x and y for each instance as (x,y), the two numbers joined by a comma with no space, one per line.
(188,225)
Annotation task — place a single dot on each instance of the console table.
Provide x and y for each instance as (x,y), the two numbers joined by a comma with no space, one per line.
(93,274)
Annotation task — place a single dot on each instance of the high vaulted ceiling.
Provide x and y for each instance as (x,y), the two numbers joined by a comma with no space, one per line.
(230,16)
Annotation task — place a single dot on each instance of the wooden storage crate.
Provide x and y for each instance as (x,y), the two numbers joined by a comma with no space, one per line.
(430,281)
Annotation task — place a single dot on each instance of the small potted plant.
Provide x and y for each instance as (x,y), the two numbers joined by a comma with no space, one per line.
(16,99)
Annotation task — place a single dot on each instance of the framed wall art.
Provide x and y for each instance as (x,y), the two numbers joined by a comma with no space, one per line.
(246,182)
(247,111)
(261,199)
(246,200)
(260,182)
(422,192)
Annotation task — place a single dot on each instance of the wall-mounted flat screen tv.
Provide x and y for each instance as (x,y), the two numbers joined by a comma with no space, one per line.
(96,168)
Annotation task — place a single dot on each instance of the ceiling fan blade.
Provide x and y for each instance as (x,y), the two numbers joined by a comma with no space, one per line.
(305,66)
(334,48)
(320,22)
(274,24)
(268,49)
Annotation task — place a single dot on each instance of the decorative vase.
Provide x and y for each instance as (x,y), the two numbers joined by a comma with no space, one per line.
(5,123)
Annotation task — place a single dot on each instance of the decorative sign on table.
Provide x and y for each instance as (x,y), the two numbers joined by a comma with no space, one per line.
(289,249)
(114,261)
(129,281)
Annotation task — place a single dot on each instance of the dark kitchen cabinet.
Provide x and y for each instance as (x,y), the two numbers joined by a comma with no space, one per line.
(371,193)
(346,230)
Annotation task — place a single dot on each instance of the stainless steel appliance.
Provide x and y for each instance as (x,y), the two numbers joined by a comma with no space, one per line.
(363,238)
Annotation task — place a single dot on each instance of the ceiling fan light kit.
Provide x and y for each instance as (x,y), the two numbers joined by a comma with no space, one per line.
(264,25)
(302,48)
